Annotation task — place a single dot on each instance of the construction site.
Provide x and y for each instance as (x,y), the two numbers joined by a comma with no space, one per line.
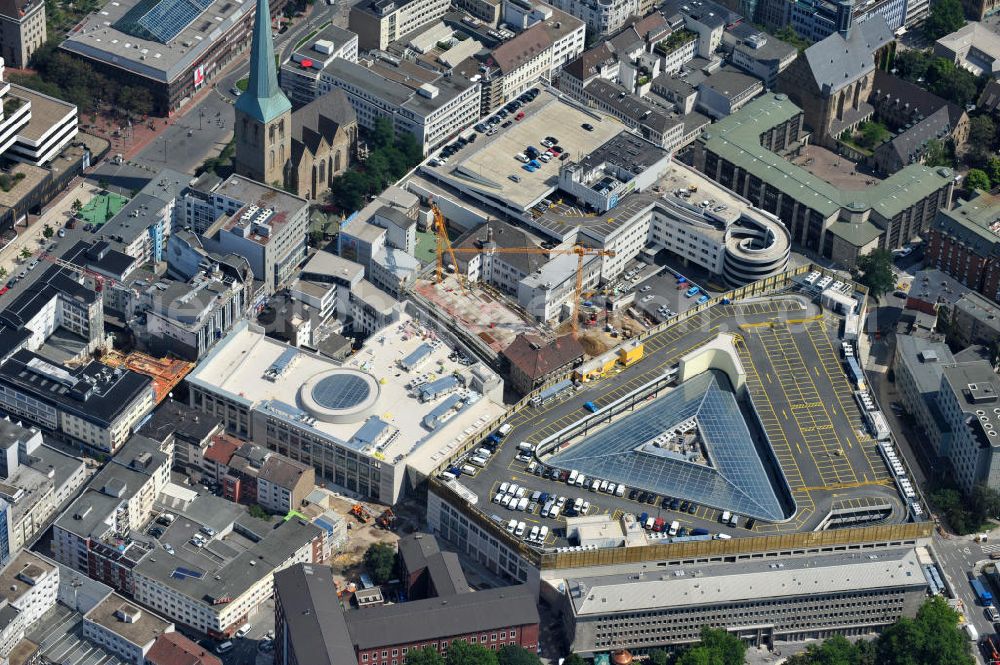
(166,373)
(465,282)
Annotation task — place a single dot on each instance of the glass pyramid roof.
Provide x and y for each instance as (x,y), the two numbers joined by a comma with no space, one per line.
(634,450)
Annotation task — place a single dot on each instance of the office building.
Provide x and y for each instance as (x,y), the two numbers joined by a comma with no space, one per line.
(142,227)
(761,54)
(263,224)
(300,74)
(92,404)
(310,626)
(426,104)
(919,369)
(655,124)
(840,224)
(57,302)
(378,23)
(602,18)
(186,319)
(217,593)
(189,432)
(816,20)
(970,409)
(356,430)
(552,39)
(764,602)
(38,481)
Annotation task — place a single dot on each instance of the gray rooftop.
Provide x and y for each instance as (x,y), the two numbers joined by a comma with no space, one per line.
(97,37)
(838,61)
(924,359)
(749,581)
(313,616)
(147,207)
(224,575)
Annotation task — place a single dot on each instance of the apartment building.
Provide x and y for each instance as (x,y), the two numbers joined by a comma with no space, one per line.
(969,403)
(123,628)
(22,31)
(964,243)
(30,589)
(378,23)
(602,17)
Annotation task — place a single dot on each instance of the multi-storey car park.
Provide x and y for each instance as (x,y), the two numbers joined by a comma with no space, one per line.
(740,434)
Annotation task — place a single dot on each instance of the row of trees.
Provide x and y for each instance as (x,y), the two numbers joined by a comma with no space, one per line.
(389,159)
(932,638)
(938,75)
(463,653)
(76,81)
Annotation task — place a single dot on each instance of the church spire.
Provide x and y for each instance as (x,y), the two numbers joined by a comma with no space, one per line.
(263,99)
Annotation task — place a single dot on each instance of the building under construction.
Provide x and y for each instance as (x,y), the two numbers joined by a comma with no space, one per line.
(165,372)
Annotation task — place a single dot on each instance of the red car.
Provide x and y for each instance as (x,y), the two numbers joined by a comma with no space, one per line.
(556,149)
(4,289)
(519,116)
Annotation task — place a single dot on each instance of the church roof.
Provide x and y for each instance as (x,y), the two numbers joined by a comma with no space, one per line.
(263,100)
(320,119)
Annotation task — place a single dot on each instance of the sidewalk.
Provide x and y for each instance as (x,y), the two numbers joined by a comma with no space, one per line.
(56,216)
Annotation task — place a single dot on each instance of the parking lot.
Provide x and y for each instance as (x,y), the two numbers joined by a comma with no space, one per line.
(809,415)
(806,406)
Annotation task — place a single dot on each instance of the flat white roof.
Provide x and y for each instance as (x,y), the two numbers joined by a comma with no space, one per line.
(238,364)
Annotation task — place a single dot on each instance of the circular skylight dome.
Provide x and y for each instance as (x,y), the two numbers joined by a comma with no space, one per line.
(341,395)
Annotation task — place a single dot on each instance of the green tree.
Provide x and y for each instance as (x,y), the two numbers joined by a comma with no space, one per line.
(985,502)
(25,253)
(790,37)
(463,653)
(872,134)
(658,657)
(698,655)
(911,64)
(258,512)
(982,133)
(993,169)
(424,656)
(874,270)
(836,650)
(76,205)
(380,562)
(48,231)
(939,153)
(515,655)
(977,179)
(726,647)
(574,659)
(946,17)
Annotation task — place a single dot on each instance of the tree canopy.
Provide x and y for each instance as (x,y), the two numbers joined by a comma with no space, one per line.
(874,270)
(424,656)
(938,75)
(946,16)
(463,653)
(932,638)
(515,655)
(389,158)
(977,179)
(717,647)
(380,562)
(872,134)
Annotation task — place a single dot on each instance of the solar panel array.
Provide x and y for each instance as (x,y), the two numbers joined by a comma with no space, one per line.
(161,20)
(735,478)
(181,573)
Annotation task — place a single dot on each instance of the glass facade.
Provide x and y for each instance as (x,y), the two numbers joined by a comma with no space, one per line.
(731,476)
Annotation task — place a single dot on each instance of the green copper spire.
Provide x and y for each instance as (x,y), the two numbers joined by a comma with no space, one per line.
(263,99)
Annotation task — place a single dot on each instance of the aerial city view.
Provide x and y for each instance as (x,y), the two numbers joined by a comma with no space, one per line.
(499,332)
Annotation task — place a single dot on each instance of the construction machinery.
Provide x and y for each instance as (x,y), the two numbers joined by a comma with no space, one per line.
(387,519)
(444,244)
